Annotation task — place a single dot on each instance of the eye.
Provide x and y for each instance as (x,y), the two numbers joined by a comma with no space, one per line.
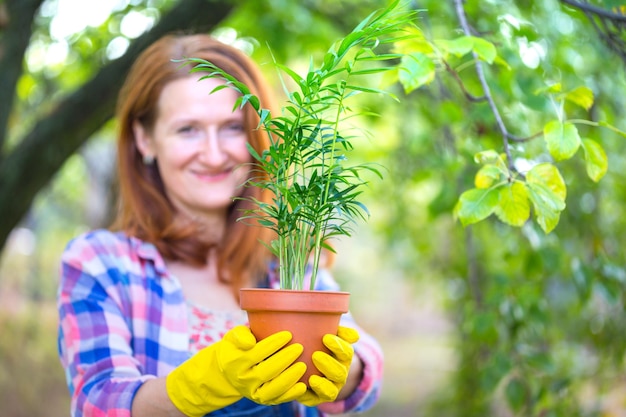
(186,130)
(233,129)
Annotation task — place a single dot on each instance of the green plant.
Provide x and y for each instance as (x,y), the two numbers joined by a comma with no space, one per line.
(315,193)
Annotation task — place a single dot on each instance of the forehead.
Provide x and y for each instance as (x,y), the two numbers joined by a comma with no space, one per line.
(192,96)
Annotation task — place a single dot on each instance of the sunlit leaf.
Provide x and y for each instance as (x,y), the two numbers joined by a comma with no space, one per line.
(488,156)
(547,205)
(459,46)
(484,49)
(513,207)
(548,220)
(475,205)
(562,139)
(596,161)
(491,157)
(415,71)
(487,176)
(552,88)
(543,198)
(582,96)
(548,175)
(414,43)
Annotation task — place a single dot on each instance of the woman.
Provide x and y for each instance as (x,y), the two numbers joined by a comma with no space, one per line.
(149,319)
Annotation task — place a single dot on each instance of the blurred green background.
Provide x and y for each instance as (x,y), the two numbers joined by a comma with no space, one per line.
(487,320)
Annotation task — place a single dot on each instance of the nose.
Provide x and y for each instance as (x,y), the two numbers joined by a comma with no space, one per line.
(212,153)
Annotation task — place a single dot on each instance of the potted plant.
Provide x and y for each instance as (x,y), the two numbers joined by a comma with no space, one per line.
(315,192)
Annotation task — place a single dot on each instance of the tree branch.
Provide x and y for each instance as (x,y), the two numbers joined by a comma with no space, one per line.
(59,134)
(598,11)
(17,22)
(610,26)
(460,11)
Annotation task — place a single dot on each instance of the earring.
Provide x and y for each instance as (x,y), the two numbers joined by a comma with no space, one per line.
(148,159)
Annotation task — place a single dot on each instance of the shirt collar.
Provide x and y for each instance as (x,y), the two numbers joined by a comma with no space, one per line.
(149,252)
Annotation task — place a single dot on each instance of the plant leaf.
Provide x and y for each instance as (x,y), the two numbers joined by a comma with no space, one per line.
(547,205)
(513,207)
(562,139)
(581,96)
(548,175)
(487,175)
(415,70)
(484,49)
(475,205)
(596,161)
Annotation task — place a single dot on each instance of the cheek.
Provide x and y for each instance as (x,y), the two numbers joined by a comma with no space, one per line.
(241,153)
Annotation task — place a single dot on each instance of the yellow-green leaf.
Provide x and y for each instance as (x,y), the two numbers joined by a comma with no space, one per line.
(548,175)
(475,205)
(544,198)
(463,45)
(487,176)
(486,157)
(459,46)
(547,205)
(513,207)
(484,49)
(415,71)
(552,88)
(562,139)
(548,220)
(415,41)
(491,157)
(596,161)
(582,96)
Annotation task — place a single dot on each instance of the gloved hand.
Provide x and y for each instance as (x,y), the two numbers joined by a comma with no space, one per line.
(335,367)
(235,367)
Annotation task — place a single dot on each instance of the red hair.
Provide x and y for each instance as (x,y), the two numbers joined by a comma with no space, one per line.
(144,210)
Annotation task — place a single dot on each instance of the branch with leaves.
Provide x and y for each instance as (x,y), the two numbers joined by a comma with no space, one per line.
(501,188)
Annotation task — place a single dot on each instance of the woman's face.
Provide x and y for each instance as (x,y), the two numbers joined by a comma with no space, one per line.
(199,144)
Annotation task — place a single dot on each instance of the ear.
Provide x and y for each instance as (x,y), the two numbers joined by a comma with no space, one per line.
(143,141)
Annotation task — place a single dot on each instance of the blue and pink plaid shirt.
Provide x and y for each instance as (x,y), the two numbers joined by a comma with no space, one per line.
(124,320)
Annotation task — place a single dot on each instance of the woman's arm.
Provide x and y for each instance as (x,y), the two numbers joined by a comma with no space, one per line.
(354,378)
(151,400)
(366,371)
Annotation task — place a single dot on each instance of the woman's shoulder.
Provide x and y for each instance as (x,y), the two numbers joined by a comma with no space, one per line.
(99,240)
(103,249)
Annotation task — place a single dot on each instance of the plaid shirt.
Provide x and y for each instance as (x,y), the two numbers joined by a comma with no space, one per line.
(123,320)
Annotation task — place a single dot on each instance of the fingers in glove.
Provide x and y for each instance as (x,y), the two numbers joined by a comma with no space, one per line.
(330,367)
(284,387)
(241,337)
(276,364)
(348,334)
(321,391)
(268,346)
(342,350)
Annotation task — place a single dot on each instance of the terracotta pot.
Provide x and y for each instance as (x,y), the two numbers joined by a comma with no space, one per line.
(308,315)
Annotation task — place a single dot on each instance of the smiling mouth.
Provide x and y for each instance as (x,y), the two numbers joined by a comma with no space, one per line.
(213,176)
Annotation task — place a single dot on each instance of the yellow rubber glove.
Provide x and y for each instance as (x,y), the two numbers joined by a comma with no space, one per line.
(235,367)
(335,367)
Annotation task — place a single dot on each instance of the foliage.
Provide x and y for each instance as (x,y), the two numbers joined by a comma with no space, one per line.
(503,185)
(315,195)
(524,301)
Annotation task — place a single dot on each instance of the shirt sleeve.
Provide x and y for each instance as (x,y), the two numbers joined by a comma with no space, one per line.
(369,352)
(94,335)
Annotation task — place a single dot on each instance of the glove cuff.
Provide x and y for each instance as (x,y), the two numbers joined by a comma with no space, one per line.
(197,387)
